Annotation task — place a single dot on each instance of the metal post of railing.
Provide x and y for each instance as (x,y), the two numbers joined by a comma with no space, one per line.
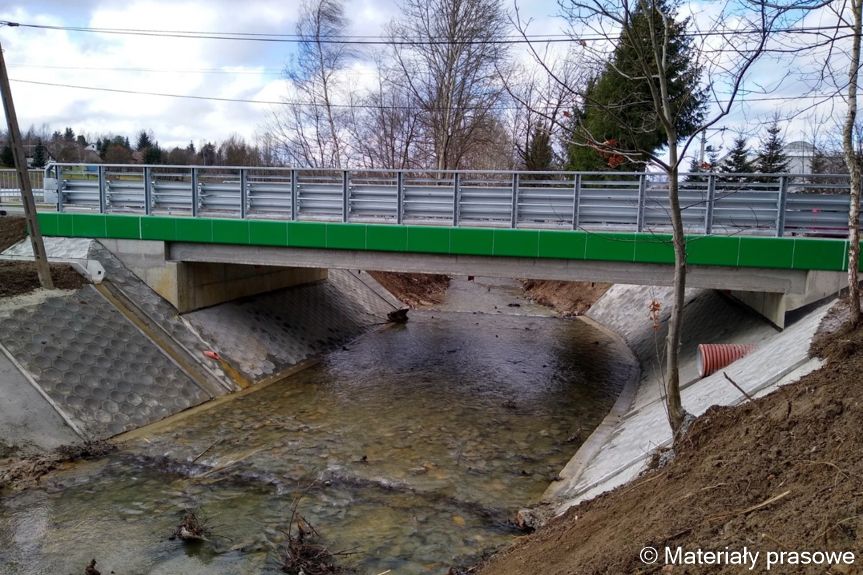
(195,192)
(642,197)
(514,212)
(780,206)
(711,198)
(103,199)
(400,196)
(148,191)
(294,206)
(455,198)
(244,194)
(346,206)
(576,199)
(59,188)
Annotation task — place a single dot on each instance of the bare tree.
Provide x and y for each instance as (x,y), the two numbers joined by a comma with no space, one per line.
(385,127)
(734,41)
(540,100)
(312,131)
(853,162)
(448,53)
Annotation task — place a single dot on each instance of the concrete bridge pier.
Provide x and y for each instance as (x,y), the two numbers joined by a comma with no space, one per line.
(189,286)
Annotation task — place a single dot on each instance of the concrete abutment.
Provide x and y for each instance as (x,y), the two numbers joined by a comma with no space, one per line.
(190,286)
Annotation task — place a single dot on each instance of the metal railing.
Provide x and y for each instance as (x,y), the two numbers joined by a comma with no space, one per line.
(775,204)
(10,189)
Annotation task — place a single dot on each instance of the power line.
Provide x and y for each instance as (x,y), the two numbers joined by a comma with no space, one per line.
(384,41)
(263,71)
(740,99)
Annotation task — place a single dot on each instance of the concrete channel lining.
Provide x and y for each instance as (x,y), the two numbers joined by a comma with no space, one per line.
(627,446)
(99,368)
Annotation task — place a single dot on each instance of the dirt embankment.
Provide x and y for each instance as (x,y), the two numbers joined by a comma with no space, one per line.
(415,290)
(12,231)
(782,473)
(20,277)
(566,298)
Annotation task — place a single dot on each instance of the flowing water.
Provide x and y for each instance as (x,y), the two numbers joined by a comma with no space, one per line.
(411,448)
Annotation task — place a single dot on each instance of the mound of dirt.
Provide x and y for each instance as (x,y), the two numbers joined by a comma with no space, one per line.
(20,277)
(12,231)
(566,298)
(781,473)
(415,290)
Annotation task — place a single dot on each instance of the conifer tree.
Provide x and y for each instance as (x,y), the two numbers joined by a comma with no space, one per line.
(7,159)
(539,154)
(39,157)
(618,106)
(771,155)
(737,161)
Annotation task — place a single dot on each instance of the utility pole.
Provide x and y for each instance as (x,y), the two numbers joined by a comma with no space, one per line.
(17,146)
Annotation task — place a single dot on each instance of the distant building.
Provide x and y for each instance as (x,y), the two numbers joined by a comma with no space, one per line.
(800,155)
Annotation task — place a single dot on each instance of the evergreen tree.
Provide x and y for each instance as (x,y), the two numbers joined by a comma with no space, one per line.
(737,161)
(771,157)
(69,135)
(144,141)
(539,156)
(39,156)
(694,171)
(7,158)
(153,154)
(618,107)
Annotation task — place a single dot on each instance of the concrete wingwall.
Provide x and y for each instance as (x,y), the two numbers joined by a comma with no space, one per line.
(622,446)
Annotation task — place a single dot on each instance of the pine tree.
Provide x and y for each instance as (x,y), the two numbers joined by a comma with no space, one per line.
(144,141)
(737,161)
(694,173)
(153,154)
(7,158)
(618,108)
(771,157)
(539,156)
(39,157)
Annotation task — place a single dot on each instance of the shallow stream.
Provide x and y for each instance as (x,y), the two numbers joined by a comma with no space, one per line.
(411,449)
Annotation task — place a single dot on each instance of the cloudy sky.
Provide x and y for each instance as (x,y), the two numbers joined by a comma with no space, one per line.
(229,69)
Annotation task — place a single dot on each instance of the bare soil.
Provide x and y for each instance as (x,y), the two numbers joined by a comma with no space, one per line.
(12,231)
(415,290)
(781,473)
(566,298)
(20,277)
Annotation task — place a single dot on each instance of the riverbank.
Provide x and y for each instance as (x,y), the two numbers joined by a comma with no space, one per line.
(737,479)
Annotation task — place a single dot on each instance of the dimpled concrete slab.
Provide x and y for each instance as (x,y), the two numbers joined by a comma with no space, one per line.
(265,334)
(90,360)
(159,311)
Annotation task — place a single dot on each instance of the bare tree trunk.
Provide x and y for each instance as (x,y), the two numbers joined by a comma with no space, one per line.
(851,161)
(676,412)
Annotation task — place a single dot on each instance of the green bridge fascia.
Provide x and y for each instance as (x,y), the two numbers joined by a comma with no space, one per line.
(736,251)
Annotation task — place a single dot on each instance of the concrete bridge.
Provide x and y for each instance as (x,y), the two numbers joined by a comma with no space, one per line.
(776,241)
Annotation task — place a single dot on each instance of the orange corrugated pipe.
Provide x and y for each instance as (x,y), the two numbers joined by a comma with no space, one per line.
(714,356)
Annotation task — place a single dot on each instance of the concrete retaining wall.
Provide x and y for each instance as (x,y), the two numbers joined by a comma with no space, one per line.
(627,441)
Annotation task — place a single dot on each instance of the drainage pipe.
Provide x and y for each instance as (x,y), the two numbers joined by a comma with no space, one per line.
(714,356)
